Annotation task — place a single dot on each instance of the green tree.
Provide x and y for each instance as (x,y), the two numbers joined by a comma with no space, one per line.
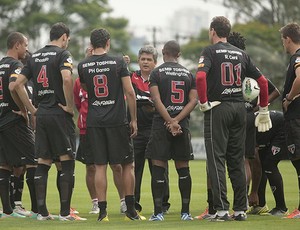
(34,18)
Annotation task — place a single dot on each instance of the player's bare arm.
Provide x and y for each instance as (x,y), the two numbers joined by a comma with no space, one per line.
(19,88)
(172,124)
(294,93)
(131,102)
(68,91)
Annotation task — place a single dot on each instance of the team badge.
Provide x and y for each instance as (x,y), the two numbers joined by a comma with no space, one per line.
(201,59)
(275,150)
(297,60)
(18,70)
(291,148)
(70,60)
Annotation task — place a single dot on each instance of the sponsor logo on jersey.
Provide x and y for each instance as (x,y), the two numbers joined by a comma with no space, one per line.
(70,60)
(18,70)
(291,148)
(102,103)
(297,60)
(275,150)
(201,59)
(3,104)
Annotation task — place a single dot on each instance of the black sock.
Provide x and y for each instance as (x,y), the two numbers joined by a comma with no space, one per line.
(102,206)
(185,187)
(40,181)
(210,202)
(297,167)
(4,191)
(262,190)
(30,172)
(12,191)
(130,201)
(157,186)
(276,184)
(58,181)
(18,187)
(66,186)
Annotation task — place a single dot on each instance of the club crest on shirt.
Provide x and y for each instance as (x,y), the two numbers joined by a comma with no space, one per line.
(291,148)
(275,150)
(70,60)
(297,60)
(18,70)
(201,59)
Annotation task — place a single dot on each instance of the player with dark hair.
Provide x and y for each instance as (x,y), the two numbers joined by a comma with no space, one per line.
(50,68)
(222,68)
(173,91)
(147,59)
(290,36)
(106,79)
(16,137)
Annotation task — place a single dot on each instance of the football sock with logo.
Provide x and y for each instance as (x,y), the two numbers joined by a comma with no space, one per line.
(185,186)
(157,187)
(296,164)
(66,186)
(11,191)
(276,184)
(18,187)
(4,191)
(30,183)
(40,181)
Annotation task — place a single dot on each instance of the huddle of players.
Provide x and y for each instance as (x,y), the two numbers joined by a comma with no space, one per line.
(173,90)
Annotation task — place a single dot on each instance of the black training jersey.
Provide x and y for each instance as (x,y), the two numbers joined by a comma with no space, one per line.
(226,67)
(9,69)
(174,84)
(103,75)
(275,133)
(293,111)
(44,68)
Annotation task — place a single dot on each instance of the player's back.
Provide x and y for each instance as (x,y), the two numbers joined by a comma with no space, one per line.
(103,75)
(44,69)
(9,68)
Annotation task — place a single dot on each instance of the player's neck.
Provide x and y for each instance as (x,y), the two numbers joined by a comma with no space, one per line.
(145,75)
(13,54)
(99,51)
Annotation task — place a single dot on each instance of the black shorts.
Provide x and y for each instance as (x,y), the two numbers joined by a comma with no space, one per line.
(250,136)
(55,136)
(17,145)
(83,149)
(274,152)
(163,146)
(292,129)
(111,145)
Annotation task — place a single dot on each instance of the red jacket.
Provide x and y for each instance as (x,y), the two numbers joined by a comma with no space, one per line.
(81,102)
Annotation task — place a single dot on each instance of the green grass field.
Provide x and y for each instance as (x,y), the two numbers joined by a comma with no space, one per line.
(82,203)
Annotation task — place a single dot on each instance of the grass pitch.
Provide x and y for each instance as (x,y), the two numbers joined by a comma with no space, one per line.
(82,203)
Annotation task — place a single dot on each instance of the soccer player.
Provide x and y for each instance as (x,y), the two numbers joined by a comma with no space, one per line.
(16,137)
(290,36)
(221,70)
(81,103)
(272,149)
(173,91)
(147,59)
(106,79)
(50,68)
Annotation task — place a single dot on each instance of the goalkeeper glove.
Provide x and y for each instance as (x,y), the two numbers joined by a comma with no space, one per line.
(263,120)
(208,105)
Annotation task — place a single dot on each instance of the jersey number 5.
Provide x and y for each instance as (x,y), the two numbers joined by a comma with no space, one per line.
(100,85)
(42,77)
(177,93)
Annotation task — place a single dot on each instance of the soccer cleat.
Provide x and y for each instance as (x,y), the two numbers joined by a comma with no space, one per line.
(12,215)
(73,210)
(294,215)
(21,210)
(239,217)
(103,217)
(123,207)
(40,217)
(128,217)
(33,215)
(186,216)
(257,210)
(205,215)
(138,207)
(226,217)
(158,217)
(76,217)
(95,209)
(276,212)
(71,217)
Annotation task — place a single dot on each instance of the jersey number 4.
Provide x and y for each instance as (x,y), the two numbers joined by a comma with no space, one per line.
(42,77)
